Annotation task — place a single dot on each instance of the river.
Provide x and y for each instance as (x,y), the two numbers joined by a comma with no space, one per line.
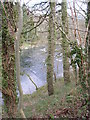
(33,63)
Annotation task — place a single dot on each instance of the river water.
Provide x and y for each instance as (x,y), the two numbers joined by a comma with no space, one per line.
(33,63)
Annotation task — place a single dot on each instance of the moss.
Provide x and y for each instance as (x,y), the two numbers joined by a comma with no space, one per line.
(65,44)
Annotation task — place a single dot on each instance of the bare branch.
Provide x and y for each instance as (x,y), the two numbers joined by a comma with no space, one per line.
(30,79)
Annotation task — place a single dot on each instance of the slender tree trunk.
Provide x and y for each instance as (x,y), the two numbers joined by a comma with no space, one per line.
(18,34)
(0,56)
(8,62)
(65,43)
(51,44)
(88,15)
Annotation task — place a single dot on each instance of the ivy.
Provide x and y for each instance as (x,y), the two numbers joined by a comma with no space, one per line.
(77,55)
(8,62)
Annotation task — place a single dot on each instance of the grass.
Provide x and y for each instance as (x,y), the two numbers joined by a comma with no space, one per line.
(39,104)
(67,102)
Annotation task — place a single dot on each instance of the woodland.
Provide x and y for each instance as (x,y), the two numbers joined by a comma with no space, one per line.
(45,59)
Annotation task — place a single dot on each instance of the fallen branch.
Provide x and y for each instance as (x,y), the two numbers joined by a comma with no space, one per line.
(29,79)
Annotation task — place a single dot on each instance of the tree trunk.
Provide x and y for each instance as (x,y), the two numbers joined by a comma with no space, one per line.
(65,44)
(8,62)
(18,34)
(0,56)
(88,15)
(51,44)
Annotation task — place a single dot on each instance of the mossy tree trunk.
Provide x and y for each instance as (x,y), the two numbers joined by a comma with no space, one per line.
(65,45)
(8,61)
(88,37)
(51,44)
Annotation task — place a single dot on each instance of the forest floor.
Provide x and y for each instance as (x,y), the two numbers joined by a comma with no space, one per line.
(67,102)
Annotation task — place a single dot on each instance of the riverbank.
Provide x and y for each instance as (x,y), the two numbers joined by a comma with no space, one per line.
(66,102)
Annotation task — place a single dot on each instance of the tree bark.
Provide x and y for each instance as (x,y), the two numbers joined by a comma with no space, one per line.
(88,16)
(51,45)
(8,62)
(65,44)
(18,34)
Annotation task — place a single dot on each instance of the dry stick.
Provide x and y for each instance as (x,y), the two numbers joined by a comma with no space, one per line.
(81,7)
(70,28)
(36,24)
(60,29)
(86,35)
(73,20)
(77,22)
(30,79)
(20,25)
(80,13)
